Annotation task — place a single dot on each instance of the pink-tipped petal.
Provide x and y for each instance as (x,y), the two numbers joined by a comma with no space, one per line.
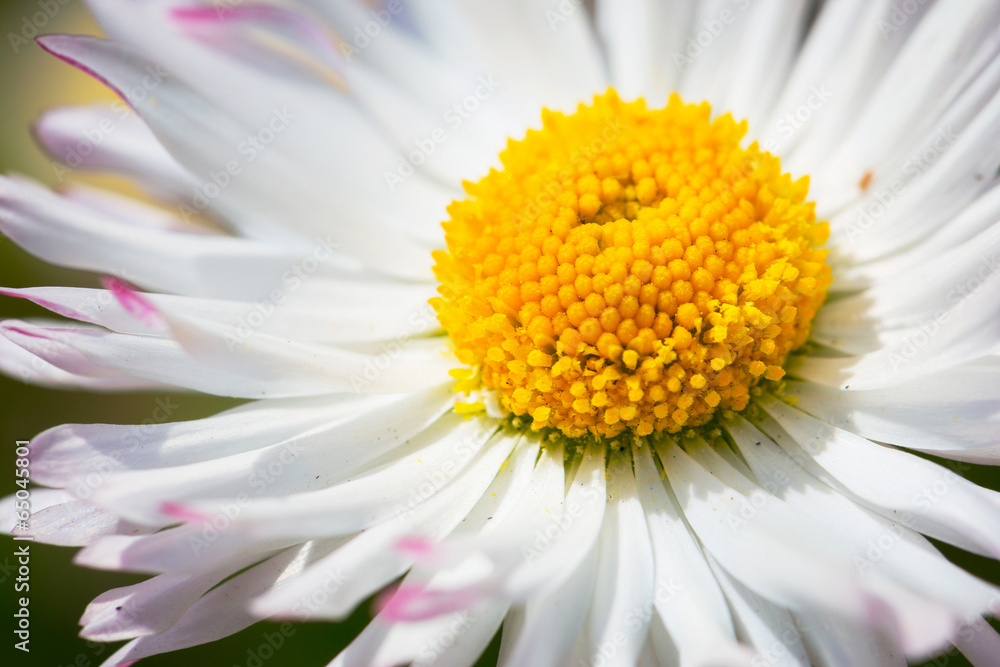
(181,512)
(44,303)
(297,26)
(50,43)
(416,603)
(415,547)
(199,13)
(384,597)
(30,333)
(134,302)
(263,13)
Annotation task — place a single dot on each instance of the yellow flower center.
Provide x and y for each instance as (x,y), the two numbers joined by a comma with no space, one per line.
(629,269)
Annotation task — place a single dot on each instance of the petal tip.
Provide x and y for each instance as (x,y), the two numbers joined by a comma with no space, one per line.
(181,512)
(134,302)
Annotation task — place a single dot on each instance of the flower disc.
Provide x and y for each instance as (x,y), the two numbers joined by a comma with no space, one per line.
(629,269)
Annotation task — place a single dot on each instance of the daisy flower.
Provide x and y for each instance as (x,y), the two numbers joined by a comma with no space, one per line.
(623,330)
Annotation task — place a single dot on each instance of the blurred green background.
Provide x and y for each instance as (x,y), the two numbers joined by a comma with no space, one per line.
(33,81)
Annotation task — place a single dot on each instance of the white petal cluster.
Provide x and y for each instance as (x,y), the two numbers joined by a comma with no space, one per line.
(301,155)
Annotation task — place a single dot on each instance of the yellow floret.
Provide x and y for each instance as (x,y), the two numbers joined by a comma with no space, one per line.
(629,269)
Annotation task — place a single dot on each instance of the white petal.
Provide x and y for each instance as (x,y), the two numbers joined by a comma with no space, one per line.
(152,606)
(967,331)
(763,625)
(623,594)
(642,39)
(369,561)
(546,628)
(361,651)
(913,491)
(190,548)
(76,523)
(706,65)
(402,312)
(955,166)
(457,150)
(70,234)
(405,59)
(308,155)
(762,550)
(80,139)
(979,642)
(959,238)
(456,639)
(537,507)
(57,452)
(828,79)
(406,364)
(275,187)
(585,498)
(952,413)
(26,366)
(223,610)
(133,211)
(832,642)
(314,459)
(312,370)
(543,52)
(434,457)
(687,597)
(920,75)
(908,561)
(764,58)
